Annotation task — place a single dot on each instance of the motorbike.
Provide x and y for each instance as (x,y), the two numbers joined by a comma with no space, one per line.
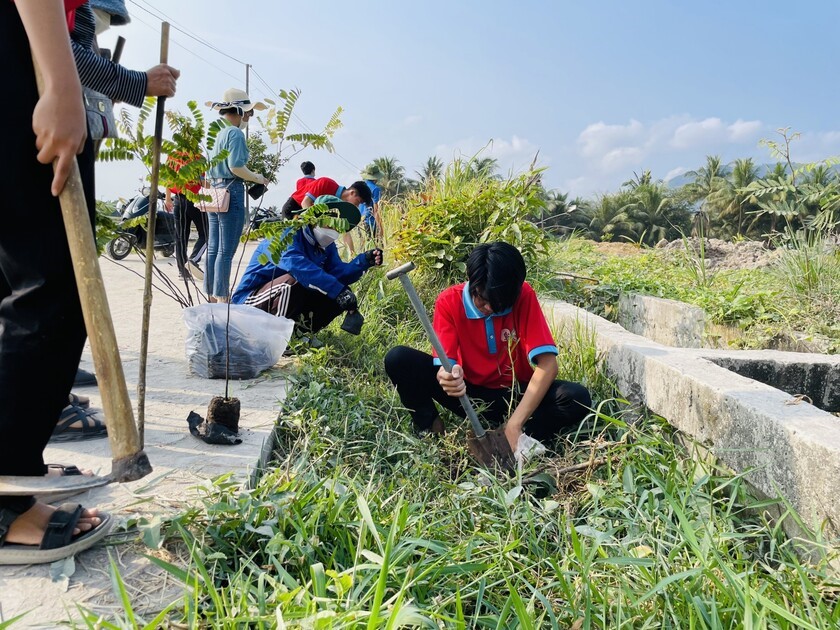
(264,215)
(130,235)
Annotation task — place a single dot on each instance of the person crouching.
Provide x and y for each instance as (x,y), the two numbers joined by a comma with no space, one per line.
(310,284)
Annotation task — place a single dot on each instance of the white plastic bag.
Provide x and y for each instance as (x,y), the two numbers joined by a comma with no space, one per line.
(257,340)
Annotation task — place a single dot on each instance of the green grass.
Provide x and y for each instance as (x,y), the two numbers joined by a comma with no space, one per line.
(360,525)
(800,293)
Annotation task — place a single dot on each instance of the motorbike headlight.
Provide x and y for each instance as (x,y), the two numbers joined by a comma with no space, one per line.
(146,191)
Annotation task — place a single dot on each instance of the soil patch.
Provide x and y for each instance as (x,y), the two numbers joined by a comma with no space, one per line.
(722,255)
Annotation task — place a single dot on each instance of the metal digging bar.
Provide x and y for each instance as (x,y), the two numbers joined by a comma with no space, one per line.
(491,448)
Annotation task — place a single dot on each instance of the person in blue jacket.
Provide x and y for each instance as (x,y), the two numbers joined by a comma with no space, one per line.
(310,284)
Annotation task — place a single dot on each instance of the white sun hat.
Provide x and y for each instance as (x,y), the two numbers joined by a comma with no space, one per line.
(234,97)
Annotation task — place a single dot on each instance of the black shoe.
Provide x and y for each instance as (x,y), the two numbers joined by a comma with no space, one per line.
(83,378)
(436,429)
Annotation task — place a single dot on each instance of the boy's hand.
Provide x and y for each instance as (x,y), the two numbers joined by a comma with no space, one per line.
(453,384)
(374,257)
(512,433)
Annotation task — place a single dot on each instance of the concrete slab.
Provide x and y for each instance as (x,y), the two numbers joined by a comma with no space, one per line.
(785,446)
(816,376)
(182,463)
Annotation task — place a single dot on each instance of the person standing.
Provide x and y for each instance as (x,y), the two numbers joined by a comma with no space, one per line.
(41,327)
(185,214)
(225,228)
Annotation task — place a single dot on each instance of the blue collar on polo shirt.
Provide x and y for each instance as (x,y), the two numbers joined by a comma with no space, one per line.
(473,313)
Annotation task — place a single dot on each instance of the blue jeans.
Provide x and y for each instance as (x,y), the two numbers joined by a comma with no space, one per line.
(223,233)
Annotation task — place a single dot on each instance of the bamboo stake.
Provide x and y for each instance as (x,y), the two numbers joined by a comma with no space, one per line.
(150,245)
(129,462)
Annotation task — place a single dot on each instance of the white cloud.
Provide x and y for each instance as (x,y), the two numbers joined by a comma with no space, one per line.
(412,120)
(599,138)
(674,172)
(698,133)
(743,131)
(515,153)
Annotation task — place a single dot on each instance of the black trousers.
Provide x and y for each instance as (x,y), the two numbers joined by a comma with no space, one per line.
(311,310)
(290,208)
(185,213)
(415,376)
(41,328)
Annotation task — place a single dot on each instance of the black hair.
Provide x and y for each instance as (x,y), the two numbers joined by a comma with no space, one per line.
(307,168)
(363,191)
(496,272)
(232,110)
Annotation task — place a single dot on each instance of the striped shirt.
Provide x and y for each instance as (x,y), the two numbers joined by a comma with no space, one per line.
(98,73)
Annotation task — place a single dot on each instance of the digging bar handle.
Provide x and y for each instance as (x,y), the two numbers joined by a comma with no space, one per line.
(402,273)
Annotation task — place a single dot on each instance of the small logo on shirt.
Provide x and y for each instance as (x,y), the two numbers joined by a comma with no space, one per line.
(509,336)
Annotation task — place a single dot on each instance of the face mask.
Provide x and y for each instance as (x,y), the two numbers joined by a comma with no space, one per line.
(243,124)
(325,236)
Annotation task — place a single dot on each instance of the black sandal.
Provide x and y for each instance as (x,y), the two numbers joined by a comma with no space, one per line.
(92,427)
(58,541)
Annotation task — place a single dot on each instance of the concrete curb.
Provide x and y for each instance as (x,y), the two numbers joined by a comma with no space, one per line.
(788,447)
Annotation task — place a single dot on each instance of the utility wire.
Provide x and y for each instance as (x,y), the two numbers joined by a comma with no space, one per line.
(160,15)
(192,52)
(201,41)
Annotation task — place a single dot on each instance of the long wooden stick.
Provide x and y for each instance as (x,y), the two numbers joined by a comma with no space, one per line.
(150,245)
(129,462)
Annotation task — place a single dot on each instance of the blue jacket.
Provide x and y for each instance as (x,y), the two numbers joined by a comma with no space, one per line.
(311,265)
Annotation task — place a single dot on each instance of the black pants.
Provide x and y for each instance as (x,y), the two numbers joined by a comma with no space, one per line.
(311,310)
(185,213)
(41,328)
(412,371)
(290,208)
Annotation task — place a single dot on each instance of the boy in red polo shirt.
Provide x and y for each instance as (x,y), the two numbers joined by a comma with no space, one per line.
(494,332)
(356,193)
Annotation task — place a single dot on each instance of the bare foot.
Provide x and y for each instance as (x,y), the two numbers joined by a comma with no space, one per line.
(29,527)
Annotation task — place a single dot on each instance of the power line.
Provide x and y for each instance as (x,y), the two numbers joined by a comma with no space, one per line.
(192,52)
(175,25)
(160,15)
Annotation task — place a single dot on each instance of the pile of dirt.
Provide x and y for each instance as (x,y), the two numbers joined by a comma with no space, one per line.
(725,255)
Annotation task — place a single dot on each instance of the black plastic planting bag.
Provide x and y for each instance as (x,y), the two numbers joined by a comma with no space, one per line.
(257,340)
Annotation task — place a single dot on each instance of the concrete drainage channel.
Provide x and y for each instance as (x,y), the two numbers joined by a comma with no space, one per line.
(791,448)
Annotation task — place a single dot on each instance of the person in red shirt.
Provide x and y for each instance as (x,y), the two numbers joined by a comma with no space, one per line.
(495,334)
(185,213)
(308,170)
(356,193)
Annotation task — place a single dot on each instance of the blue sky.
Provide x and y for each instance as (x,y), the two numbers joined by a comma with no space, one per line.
(599,89)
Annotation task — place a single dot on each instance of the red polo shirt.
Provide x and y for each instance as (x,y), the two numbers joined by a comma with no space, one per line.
(494,350)
(317,187)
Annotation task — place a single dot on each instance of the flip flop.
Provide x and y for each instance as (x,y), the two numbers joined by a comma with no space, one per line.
(92,427)
(58,541)
(79,401)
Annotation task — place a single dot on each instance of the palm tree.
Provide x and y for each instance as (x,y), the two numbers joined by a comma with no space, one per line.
(708,179)
(609,221)
(392,180)
(485,168)
(432,170)
(638,180)
(654,213)
(732,200)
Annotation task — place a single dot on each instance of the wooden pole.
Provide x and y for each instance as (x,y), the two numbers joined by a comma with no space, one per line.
(150,245)
(129,462)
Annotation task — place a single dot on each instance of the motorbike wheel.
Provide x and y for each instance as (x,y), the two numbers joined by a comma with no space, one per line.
(168,251)
(119,248)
